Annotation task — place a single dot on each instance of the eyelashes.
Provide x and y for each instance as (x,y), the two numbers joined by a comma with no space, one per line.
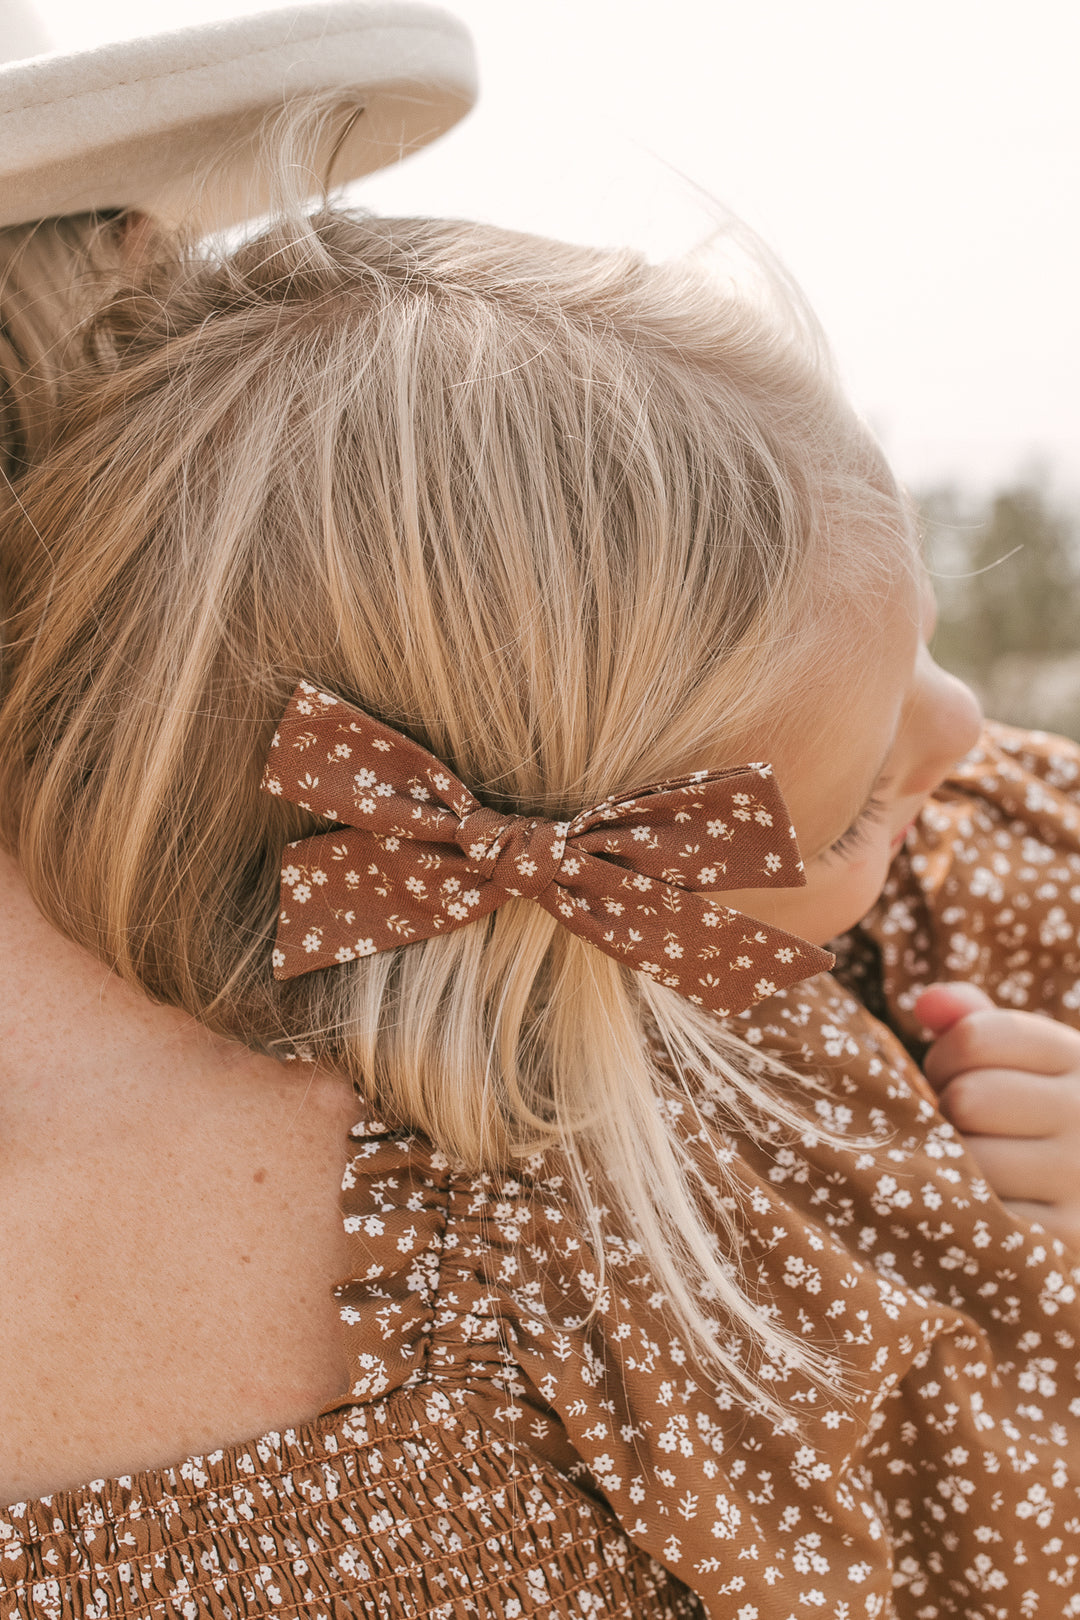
(853,839)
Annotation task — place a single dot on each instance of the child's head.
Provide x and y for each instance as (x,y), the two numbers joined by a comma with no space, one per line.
(876,735)
(574,522)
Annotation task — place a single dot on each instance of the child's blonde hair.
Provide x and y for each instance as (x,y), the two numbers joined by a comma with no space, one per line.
(571,520)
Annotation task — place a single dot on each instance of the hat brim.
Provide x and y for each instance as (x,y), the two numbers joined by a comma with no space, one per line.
(146,123)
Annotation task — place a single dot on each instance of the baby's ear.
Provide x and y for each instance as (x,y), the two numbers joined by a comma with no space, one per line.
(943,1005)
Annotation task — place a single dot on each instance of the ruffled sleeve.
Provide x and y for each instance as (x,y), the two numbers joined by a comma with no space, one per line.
(474,1298)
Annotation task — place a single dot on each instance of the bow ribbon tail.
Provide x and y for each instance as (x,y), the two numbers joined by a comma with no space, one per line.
(717,958)
(343,897)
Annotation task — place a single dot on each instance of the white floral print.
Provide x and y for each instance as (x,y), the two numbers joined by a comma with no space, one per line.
(628,859)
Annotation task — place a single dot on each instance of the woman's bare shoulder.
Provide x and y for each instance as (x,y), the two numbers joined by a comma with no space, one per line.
(169,1212)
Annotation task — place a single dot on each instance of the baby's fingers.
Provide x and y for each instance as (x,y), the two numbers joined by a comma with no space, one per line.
(1002,1102)
(1028,1210)
(1006,1040)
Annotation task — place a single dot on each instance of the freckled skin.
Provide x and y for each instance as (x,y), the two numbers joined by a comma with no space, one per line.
(170,1208)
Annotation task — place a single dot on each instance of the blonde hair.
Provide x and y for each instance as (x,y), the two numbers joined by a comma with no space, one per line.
(571,520)
(50,271)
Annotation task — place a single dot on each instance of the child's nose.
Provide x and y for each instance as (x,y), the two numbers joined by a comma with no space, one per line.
(965,716)
(945,727)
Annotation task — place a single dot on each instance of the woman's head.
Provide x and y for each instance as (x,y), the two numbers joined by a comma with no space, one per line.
(574,522)
(48,272)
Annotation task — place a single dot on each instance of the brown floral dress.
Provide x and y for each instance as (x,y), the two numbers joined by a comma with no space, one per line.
(494,1457)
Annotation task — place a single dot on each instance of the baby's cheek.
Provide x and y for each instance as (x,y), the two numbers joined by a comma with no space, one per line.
(841,900)
(837,894)
(841,892)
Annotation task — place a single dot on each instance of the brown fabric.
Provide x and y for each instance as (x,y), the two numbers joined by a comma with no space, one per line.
(420,856)
(495,1457)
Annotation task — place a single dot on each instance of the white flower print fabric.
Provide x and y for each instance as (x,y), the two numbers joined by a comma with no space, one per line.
(945,1482)
(497,1454)
(419,856)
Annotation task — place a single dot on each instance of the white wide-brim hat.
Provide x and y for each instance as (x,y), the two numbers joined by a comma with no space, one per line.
(148,123)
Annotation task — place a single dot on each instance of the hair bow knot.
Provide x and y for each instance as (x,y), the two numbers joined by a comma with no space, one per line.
(518,855)
(415,854)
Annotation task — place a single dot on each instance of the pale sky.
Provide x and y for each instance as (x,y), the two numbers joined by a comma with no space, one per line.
(916,163)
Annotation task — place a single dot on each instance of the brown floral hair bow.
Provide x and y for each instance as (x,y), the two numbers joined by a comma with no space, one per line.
(418,855)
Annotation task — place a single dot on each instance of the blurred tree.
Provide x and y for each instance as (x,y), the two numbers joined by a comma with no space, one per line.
(1007,575)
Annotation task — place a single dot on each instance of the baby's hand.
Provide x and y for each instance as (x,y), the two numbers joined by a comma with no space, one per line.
(1010,1083)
